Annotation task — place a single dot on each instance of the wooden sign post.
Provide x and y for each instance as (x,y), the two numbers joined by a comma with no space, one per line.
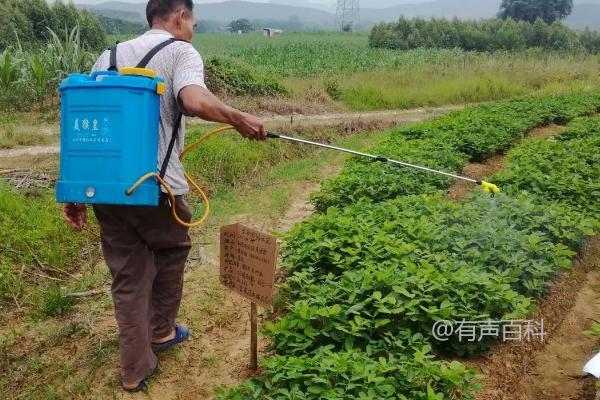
(248,262)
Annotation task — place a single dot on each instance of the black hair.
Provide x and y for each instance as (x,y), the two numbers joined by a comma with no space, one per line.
(163,8)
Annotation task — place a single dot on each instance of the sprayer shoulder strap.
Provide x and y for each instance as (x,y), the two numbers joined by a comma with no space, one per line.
(179,117)
(113,58)
(176,126)
(143,64)
(177,123)
(148,57)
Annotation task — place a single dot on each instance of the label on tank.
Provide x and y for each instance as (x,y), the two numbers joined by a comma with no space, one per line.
(95,128)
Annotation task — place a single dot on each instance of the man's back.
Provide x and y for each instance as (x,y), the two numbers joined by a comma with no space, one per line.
(180,65)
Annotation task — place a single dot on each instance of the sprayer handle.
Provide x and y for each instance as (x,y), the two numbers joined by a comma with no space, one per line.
(272,135)
(94,76)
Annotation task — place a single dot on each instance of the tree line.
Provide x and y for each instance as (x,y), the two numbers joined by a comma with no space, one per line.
(484,35)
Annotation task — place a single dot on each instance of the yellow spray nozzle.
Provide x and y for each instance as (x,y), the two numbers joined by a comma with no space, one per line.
(490,187)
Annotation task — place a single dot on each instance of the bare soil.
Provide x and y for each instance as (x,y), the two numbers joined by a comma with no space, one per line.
(30,151)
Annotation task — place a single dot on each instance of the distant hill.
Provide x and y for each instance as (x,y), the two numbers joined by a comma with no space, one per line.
(586,12)
(224,11)
(130,16)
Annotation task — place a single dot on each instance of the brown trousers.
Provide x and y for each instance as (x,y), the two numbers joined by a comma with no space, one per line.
(146,251)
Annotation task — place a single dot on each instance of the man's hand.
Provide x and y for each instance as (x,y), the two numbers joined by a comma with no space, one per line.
(250,127)
(76,215)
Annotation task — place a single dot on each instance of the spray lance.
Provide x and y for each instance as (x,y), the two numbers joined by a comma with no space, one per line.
(487,187)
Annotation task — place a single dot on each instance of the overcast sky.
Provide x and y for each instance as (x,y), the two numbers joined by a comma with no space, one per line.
(327,5)
(321,3)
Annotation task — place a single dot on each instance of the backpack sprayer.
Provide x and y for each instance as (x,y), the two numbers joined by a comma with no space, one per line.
(109,140)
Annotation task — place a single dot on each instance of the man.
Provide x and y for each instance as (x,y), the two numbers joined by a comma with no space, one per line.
(144,248)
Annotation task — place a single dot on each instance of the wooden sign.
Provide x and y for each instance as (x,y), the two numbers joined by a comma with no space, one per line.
(248,261)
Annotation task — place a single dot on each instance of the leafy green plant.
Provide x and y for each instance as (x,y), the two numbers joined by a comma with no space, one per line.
(356,375)
(425,259)
(594,330)
(564,171)
(66,54)
(582,128)
(375,181)
(39,79)
(30,77)
(10,77)
(332,87)
(230,76)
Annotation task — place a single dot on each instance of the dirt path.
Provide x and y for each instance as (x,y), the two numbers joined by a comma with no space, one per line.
(301,122)
(549,370)
(30,151)
(406,116)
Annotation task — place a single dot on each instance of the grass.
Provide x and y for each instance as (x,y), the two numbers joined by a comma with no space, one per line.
(39,252)
(53,302)
(228,160)
(9,138)
(15,131)
(478,79)
(397,90)
(270,194)
(321,67)
(363,78)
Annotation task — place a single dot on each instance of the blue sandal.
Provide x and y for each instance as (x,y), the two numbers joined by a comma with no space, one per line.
(143,384)
(181,335)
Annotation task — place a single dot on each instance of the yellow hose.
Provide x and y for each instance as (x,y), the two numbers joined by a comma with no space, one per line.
(190,180)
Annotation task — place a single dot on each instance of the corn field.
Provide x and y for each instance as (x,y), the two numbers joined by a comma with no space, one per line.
(29,80)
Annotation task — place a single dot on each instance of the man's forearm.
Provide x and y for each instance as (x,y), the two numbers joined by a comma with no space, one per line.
(199,102)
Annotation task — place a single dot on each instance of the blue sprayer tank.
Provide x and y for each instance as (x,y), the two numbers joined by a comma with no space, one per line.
(109,137)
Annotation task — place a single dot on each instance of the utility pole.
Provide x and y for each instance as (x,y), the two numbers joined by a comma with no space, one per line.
(347,16)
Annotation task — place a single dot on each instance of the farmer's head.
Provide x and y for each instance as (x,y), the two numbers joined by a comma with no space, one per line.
(175,16)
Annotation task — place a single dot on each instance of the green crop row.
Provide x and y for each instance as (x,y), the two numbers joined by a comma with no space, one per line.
(366,283)
(565,170)
(582,128)
(447,144)
(369,271)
